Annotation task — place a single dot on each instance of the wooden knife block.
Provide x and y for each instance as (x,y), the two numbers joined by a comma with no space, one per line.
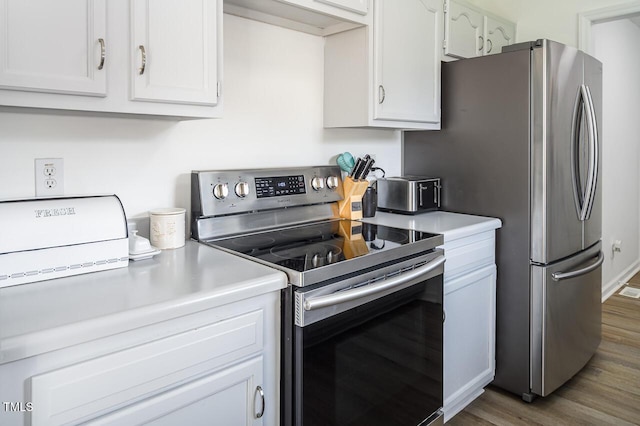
(354,244)
(351,206)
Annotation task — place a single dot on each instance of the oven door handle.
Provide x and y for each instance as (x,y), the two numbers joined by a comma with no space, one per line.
(389,283)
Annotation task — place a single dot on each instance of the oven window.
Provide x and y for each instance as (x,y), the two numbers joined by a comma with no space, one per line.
(378,364)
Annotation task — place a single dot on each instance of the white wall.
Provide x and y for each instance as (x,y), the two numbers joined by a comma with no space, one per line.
(273,117)
(616,45)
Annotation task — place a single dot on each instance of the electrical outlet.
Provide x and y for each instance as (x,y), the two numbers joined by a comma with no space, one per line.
(49,177)
(616,247)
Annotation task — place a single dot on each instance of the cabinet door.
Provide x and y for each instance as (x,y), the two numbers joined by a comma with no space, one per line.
(53,46)
(463,31)
(232,396)
(174,51)
(407,61)
(469,337)
(497,33)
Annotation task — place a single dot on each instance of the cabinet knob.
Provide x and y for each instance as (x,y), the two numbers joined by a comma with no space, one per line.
(481,43)
(143,65)
(103,53)
(490,44)
(260,392)
(381,94)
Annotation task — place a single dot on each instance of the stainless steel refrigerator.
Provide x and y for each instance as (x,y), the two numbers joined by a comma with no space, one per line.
(521,140)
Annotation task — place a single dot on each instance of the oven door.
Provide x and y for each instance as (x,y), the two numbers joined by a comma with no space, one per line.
(368,350)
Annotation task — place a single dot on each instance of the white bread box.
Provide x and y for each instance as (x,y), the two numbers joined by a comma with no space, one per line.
(41,239)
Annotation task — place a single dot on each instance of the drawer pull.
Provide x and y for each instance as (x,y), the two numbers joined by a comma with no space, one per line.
(103,53)
(143,65)
(261,393)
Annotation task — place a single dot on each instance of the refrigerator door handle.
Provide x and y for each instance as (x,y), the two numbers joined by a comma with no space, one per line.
(576,132)
(594,158)
(559,276)
(584,196)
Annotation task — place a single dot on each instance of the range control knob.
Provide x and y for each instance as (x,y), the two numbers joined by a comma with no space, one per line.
(220,191)
(242,189)
(317,183)
(332,182)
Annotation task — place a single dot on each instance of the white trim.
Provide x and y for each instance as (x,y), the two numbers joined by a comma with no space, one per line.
(612,286)
(611,13)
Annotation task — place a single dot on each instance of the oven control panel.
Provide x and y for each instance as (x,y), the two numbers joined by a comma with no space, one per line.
(224,192)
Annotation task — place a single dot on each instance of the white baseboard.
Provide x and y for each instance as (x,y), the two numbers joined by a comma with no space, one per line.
(612,286)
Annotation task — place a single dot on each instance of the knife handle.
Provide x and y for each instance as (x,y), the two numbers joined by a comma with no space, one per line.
(357,169)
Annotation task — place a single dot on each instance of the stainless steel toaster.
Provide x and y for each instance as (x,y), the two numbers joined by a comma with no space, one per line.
(409,194)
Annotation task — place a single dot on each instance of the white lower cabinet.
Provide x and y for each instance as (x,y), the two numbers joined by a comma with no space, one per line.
(469,328)
(228,397)
(218,366)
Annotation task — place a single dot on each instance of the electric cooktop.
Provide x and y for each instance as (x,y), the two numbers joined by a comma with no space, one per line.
(322,250)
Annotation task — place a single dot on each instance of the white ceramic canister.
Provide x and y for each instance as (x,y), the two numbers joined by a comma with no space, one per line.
(167,228)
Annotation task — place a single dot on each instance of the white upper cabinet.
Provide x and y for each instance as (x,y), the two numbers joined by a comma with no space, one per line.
(407,72)
(174,51)
(52,46)
(148,57)
(317,17)
(471,32)
(497,33)
(463,31)
(386,75)
(357,6)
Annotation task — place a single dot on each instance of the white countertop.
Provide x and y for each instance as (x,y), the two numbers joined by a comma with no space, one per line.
(49,315)
(451,225)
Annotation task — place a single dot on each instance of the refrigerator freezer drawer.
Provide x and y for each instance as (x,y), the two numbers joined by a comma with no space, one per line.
(566,318)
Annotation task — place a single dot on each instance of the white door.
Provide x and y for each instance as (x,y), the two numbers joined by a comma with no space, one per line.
(54,46)
(407,60)
(174,51)
(463,31)
(497,33)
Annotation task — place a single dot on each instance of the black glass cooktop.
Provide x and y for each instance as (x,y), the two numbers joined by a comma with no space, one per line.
(308,247)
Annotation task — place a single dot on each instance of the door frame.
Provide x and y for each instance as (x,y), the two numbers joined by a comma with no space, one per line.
(587,19)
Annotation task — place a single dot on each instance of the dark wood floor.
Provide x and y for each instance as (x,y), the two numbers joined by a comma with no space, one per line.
(605,392)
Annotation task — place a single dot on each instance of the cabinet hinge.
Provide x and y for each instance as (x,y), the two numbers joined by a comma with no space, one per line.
(444,8)
(218,89)
(444,44)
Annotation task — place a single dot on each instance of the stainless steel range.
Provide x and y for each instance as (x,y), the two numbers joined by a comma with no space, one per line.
(362,316)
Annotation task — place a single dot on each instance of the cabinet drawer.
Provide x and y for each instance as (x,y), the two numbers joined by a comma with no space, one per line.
(226,397)
(469,254)
(83,391)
